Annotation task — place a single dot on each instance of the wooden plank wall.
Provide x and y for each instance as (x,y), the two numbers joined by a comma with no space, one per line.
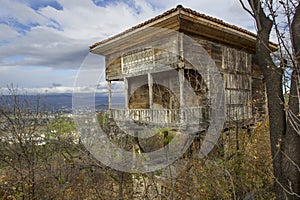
(113,68)
(237,78)
(236,67)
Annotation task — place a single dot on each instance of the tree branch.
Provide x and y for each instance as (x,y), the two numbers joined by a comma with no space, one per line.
(246,9)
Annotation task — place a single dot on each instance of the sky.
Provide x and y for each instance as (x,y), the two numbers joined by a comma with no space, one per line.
(44,43)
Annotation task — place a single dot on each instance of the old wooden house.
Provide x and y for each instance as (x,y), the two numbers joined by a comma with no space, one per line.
(156,80)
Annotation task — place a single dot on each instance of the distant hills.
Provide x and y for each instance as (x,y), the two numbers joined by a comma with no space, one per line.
(63,102)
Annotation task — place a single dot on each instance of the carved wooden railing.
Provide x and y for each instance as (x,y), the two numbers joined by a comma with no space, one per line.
(147,60)
(191,115)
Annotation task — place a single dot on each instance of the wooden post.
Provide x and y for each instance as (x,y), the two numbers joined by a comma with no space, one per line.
(181,93)
(150,85)
(109,94)
(126,93)
(181,53)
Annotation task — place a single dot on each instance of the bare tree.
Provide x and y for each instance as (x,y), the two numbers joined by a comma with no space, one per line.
(284,118)
(20,133)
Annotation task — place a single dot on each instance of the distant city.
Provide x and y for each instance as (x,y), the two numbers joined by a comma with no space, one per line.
(63,102)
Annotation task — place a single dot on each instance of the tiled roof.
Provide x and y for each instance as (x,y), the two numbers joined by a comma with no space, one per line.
(179,7)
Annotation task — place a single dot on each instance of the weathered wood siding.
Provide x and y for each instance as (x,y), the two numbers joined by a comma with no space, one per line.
(237,79)
(113,67)
(241,78)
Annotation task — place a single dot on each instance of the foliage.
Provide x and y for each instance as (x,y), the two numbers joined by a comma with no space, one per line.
(62,127)
(56,165)
(234,175)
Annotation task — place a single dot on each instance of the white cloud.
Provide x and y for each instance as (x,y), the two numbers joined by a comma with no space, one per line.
(100,88)
(228,10)
(83,23)
(7,32)
(20,11)
(83,19)
(60,90)
(35,76)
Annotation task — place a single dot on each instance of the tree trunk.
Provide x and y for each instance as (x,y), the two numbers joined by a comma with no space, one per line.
(291,146)
(291,141)
(296,35)
(121,182)
(285,140)
(273,80)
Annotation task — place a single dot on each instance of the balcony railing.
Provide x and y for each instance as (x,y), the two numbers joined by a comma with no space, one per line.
(191,115)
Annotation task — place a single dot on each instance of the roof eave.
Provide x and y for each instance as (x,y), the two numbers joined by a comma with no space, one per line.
(101,48)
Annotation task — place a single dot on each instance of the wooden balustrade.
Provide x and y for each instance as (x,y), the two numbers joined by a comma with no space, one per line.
(191,115)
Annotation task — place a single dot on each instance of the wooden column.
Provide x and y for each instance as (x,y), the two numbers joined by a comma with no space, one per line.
(109,98)
(126,93)
(181,93)
(109,94)
(181,53)
(150,85)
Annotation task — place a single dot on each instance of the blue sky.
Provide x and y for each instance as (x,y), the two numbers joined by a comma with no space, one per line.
(43,43)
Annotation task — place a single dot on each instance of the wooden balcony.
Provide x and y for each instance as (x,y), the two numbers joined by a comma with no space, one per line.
(162,117)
